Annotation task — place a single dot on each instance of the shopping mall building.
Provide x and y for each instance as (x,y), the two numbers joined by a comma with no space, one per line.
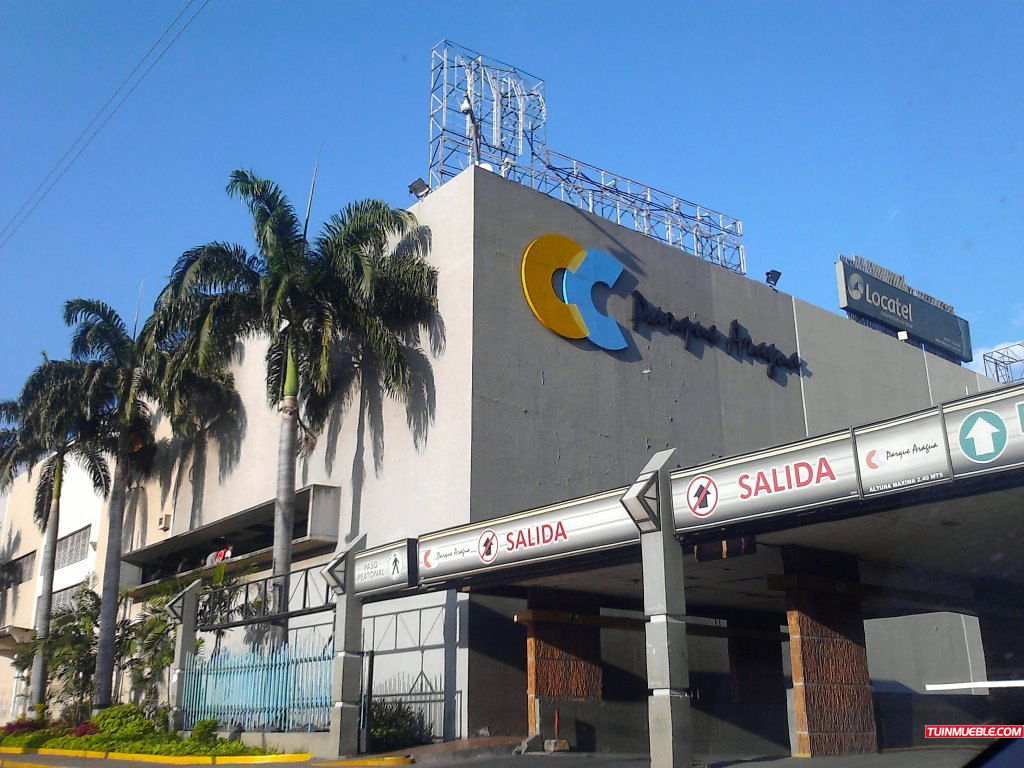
(499,577)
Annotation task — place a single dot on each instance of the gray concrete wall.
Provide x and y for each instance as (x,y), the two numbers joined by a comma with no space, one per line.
(905,653)
(497,667)
(554,419)
(739,711)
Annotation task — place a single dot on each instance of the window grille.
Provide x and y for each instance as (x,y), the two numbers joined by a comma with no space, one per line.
(22,569)
(73,548)
(63,599)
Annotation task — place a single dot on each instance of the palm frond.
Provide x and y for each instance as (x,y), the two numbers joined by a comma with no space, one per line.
(276,226)
(93,459)
(99,332)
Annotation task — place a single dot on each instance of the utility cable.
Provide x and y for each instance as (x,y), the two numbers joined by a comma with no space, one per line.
(99,128)
(95,117)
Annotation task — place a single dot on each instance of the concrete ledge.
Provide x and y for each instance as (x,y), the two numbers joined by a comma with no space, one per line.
(295,757)
(389,760)
(161,759)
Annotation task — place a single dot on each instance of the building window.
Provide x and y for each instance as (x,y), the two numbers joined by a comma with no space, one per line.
(63,599)
(22,569)
(73,548)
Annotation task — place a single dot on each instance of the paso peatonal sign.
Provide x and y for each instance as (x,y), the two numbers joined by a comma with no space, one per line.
(385,568)
(584,525)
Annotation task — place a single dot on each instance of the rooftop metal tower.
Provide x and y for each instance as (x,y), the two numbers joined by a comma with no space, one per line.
(488,113)
(1005,364)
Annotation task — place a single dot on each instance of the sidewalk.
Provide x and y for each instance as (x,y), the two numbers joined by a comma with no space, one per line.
(923,758)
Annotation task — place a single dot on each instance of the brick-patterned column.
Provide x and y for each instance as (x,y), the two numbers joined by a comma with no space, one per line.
(563,661)
(833,705)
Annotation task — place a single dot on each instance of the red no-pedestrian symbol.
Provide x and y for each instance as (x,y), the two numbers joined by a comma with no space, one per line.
(487,546)
(702,496)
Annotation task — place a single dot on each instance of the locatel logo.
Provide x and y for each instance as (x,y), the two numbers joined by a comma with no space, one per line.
(855,286)
(571,314)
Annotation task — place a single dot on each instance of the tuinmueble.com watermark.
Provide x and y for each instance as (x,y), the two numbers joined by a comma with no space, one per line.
(974,731)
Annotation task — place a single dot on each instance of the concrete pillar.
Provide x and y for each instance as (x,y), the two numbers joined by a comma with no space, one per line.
(832,696)
(563,660)
(184,607)
(668,672)
(347,668)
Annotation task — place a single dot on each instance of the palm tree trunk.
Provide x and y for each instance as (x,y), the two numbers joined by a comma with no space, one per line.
(44,605)
(284,505)
(111,586)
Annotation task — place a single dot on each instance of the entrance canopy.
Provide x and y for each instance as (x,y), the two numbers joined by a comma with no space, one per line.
(932,492)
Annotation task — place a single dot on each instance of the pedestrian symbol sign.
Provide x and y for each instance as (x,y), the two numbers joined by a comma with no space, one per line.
(983,436)
(702,496)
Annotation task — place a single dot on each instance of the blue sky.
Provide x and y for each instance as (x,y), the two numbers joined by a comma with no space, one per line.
(892,130)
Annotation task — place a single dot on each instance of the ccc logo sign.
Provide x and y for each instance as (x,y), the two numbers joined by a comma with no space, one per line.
(573,314)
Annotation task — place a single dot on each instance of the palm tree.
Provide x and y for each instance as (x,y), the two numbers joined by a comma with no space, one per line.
(305,297)
(54,420)
(124,379)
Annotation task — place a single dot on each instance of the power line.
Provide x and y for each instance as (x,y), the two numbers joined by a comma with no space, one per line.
(95,117)
(99,128)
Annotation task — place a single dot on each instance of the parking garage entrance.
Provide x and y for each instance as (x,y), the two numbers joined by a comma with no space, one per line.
(841,594)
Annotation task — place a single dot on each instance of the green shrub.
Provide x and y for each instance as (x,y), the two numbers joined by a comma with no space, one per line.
(124,728)
(396,725)
(125,721)
(151,744)
(205,731)
(30,739)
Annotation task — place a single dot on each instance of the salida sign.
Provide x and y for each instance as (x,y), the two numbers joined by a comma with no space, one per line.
(819,471)
(535,536)
(788,477)
(490,544)
(595,523)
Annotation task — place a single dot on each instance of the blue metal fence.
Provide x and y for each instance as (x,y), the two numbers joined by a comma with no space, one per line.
(288,689)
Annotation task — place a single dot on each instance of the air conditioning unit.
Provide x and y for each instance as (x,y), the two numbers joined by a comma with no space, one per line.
(164,522)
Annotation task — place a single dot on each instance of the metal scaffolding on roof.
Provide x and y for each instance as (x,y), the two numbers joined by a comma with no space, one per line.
(491,114)
(1005,364)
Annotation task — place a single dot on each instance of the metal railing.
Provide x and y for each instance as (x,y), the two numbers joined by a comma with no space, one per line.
(439,707)
(259,600)
(288,689)
(430,706)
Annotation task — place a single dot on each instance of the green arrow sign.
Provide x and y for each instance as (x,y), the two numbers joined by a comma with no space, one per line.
(983,436)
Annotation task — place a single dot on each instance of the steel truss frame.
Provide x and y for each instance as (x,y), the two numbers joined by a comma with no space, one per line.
(488,113)
(1005,364)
